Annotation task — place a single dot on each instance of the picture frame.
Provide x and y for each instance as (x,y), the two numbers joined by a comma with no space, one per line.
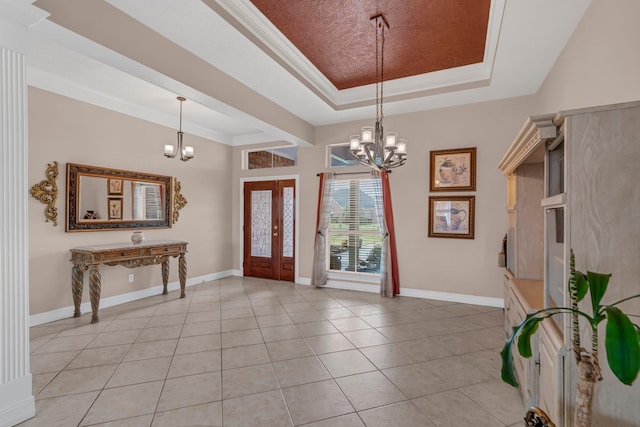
(114,208)
(452,217)
(453,170)
(114,187)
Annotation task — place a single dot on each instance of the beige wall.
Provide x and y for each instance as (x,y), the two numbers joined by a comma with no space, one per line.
(601,62)
(445,265)
(66,130)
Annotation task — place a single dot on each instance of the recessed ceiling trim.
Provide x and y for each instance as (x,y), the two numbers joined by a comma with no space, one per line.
(407,87)
(23,13)
(44,80)
(496,13)
(253,138)
(66,38)
(275,43)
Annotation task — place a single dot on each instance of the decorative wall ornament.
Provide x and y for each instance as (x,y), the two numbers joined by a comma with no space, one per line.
(46,191)
(453,170)
(179,201)
(452,216)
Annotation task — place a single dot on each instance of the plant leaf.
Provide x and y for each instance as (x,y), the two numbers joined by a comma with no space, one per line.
(524,341)
(508,369)
(622,342)
(582,285)
(529,324)
(598,286)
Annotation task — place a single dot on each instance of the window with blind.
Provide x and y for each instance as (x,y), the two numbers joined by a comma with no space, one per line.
(354,233)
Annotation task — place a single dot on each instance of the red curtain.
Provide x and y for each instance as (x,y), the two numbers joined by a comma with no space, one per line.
(318,211)
(388,217)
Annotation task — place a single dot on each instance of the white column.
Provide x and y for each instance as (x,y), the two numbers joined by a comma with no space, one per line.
(16,400)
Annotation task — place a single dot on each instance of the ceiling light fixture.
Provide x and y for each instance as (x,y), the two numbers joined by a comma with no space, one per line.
(372,148)
(170,151)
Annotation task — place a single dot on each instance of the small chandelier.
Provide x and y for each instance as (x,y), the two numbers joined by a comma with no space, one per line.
(372,148)
(186,153)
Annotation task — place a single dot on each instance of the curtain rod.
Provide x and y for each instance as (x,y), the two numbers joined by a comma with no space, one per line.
(350,173)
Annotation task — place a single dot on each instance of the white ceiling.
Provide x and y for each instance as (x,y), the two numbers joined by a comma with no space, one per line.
(524,39)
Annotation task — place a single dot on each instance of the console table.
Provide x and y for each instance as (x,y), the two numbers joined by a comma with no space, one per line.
(126,254)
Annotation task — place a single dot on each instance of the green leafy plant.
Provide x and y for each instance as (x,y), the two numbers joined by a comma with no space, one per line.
(622,339)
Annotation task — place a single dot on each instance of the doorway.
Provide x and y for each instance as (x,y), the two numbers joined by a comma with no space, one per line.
(269,229)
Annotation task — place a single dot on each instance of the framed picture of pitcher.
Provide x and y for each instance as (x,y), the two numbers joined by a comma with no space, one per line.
(452,216)
(453,170)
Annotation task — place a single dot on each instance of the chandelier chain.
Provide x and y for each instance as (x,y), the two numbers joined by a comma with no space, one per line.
(380,24)
(382,75)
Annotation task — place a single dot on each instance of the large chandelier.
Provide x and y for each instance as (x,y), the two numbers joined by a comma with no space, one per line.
(372,148)
(186,152)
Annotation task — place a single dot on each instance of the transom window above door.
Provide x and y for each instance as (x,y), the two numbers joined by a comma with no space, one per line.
(275,157)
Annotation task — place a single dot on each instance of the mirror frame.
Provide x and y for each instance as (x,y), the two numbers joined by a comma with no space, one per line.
(73,191)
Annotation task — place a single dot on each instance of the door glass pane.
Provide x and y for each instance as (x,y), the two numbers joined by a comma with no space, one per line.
(556,171)
(287,222)
(556,282)
(261,223)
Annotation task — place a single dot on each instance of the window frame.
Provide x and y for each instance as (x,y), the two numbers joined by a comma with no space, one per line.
(328,155)
(270,150)
(365,276)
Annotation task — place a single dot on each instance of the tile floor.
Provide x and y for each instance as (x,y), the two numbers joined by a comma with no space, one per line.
(252,352)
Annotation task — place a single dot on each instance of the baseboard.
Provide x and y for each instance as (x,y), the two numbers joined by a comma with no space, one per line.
(447,296)
(62,313)
(16,402)
(415,293)
(353,286)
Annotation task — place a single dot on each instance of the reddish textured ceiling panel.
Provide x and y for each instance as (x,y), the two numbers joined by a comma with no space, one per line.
(424,35)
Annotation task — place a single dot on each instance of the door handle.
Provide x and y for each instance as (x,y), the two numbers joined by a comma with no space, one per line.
(275,234)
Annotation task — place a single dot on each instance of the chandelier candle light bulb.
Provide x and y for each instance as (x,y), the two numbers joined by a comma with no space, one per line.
(367,134)
(354,145)
(391,139)
(402,147)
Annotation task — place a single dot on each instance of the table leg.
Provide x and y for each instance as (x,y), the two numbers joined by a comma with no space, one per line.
(182,273)
(77,279)
(165,276)
(94,292)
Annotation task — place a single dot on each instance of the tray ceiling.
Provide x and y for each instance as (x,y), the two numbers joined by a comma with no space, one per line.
(268,70)
(339,39)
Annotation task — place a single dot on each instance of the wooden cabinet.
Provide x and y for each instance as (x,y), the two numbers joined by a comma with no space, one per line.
(572,183)
(522,297)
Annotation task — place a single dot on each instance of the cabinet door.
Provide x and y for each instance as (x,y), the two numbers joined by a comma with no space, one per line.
(551,381)
(526,369)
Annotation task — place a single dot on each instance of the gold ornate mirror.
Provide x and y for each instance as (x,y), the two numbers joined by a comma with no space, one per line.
(112,199)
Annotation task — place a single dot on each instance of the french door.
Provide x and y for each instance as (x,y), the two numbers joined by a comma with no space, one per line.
(269,229)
